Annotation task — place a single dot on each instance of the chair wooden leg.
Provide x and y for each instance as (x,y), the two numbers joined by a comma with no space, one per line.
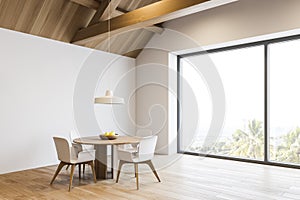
(121,162)
(136,175)
(79,171)
(93,170)
(60,166)
(71,177)
(67,167)
(153,169)
(83,168)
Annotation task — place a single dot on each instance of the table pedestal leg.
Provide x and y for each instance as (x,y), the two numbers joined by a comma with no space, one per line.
(101,161)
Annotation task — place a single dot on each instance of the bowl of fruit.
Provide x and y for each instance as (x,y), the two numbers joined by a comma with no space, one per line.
(109,136)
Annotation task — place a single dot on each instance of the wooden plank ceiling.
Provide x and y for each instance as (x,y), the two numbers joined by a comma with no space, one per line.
(124,29)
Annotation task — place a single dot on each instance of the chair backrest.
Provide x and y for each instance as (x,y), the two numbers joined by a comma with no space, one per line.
(62,149)
(147,145)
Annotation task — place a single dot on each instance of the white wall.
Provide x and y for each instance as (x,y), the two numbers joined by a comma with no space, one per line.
(224,24)
(238,20)
(155,89)
(39,80)
(152,97)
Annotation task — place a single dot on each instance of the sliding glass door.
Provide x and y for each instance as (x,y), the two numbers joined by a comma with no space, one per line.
(242,75)
(261,83)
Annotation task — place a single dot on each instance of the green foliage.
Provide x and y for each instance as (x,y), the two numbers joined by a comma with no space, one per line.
(289,148)
(249,143)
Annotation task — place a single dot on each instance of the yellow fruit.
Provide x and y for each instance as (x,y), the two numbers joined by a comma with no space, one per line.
(112,133)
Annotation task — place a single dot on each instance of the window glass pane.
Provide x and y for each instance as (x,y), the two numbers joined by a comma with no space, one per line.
(242,74)
(285,102)
(196,106)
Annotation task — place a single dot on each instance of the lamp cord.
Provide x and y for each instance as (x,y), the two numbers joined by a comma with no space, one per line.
(109,16)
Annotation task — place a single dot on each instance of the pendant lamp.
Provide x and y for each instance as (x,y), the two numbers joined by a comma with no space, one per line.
(109,98)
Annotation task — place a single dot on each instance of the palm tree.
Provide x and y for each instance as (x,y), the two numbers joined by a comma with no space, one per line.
(248,143)
(289,149)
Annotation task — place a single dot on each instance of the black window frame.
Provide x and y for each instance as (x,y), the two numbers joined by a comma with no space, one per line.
(266,44)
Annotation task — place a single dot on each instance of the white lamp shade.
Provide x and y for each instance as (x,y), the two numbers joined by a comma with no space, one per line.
(109,98)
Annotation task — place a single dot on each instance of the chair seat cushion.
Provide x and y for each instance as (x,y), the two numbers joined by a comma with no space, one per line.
(84,156)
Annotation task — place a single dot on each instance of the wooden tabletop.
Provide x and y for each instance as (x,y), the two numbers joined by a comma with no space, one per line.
(94,140)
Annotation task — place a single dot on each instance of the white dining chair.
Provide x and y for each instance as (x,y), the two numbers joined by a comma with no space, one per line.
(143,154)
(68,155)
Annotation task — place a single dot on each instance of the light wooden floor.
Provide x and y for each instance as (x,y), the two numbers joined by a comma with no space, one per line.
(189,178)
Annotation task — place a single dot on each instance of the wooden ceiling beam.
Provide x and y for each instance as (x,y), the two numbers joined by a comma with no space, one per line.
(92,4)
(154,28)
(105,10)
(140,18)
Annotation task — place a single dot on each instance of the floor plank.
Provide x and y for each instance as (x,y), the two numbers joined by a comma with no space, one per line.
(183,177)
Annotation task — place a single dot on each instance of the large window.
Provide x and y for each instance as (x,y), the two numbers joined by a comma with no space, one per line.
(262,117)
(285,101)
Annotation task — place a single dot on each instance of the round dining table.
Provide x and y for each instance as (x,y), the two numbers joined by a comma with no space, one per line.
(101,145)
